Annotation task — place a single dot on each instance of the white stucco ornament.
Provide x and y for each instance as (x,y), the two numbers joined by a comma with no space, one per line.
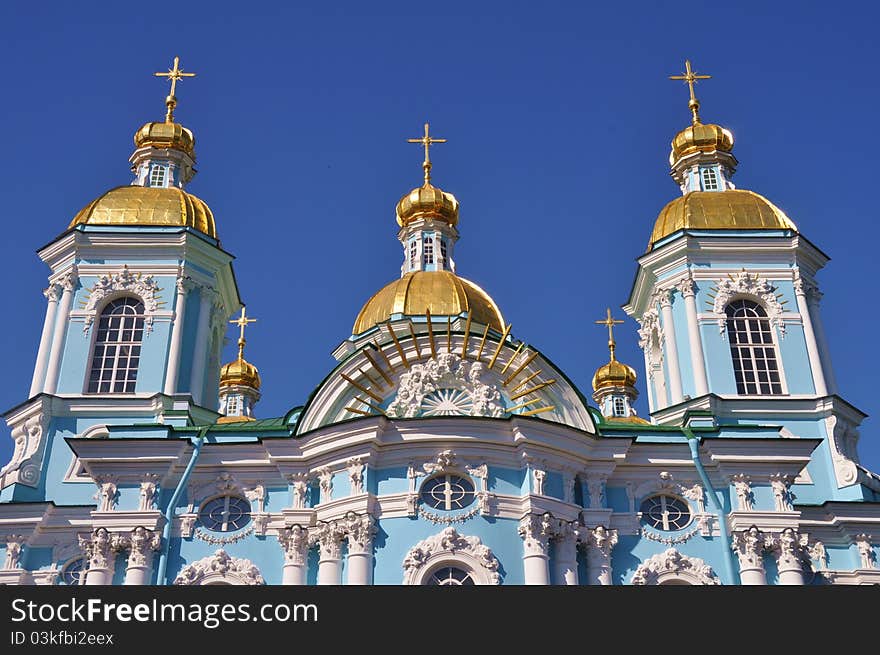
(450,547)
(445,385)
(142,286)
(744,284)
(220,568)
(671,566)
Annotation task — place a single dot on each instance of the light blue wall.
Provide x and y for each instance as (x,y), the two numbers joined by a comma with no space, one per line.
(795,360)
(679,320)
(719,365)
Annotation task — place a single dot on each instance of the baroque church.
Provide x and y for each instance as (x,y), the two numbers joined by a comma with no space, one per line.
(440,449)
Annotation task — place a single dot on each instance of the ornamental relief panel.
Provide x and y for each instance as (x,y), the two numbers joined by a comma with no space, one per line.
(122,283)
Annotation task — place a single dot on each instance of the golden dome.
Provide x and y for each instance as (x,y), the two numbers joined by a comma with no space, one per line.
(166,135)
(700,138)
(240,372)
(733,209)
(427,201)
(138,205)
(614,374)
(441,292)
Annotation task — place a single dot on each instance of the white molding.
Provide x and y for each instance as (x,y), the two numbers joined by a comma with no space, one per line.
(220,568)
(672,566)
(449,548)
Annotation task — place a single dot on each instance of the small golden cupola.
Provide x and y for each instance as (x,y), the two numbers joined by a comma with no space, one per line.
(163,162)
(239,381)
(702,164)
(614,383)
(427,218)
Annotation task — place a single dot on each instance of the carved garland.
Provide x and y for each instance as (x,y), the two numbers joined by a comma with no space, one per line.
(671,565)
(670,541)
(220,568)
(142,286)
(439,519)
(223,541)
(745,284)
(449,542)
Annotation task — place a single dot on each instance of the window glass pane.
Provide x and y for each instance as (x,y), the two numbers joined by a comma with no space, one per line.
(116,353)
(752,350)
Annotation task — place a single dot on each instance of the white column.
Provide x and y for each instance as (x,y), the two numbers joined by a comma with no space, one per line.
(787,550)
(100,551)
(360,530)
(599,542)
(329,539)
(52,295)
(141,544)
(536,532)
(57,349)
(176,337)
(749,548)
(813,297)
(566,570)
(672,363)
(295,542)
(810,337)
(200,356)
(695,340)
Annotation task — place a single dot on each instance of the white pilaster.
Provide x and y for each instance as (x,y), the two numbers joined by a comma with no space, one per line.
(536,532)
(749,548)
(813,297)
(695,341)
(176,337)
(598,543)
(329,537)
(295,543)
(672,362)
(809,336)
(200,356)
(57,348)
(52,295)
(566,572)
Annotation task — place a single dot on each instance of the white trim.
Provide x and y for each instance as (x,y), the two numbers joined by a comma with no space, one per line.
(449,548)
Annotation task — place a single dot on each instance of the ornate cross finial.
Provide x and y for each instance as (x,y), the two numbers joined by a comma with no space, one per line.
(690,78)
(610,323)
(174,75)
(242,323)
(427,141)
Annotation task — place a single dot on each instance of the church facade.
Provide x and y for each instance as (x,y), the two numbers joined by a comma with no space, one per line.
(441,448)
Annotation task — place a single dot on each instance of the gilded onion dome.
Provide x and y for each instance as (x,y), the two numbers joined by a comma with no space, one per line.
(166,135)
(614,374)
(241,373)
(427,201)
(239,381)
(148,206)
(700,138)
(443,293)
(731,209)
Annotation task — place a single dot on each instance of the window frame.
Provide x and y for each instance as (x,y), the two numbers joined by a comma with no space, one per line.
(428,255)
(615,400)
(138,326)
(737,348)
(715,179)
(158,176)
(227,498)
(446,506)
(665,527)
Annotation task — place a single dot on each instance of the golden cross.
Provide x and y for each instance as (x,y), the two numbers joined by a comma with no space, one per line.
(690,78)
(610,323)
(174,75)
(427,141)
(242,323)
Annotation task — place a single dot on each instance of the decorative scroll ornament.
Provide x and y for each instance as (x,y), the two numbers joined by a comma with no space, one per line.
(142,286)
(220,567)
(445,385)
(149,492)
(782,493)
(450,542)
(672,565)
(27,454)
(745,284)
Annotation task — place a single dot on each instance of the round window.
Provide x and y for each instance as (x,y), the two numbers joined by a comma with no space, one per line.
(75,571)
(450,576)
(448,492)
(225,514)
(665,513)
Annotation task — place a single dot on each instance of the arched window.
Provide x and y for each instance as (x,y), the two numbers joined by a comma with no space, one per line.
(413,254)
(710,179)
(428,249)
(752,349)
(117,350)
(74,572)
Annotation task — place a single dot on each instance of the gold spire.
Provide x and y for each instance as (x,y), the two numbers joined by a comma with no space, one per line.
(242,323)
(174,75)
(690,78)
(610,323)
(427,141)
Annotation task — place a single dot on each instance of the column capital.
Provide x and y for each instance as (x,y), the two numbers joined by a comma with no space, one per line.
(140,543)
(664,297)
(749,548)
(781,485)
(536,531)
(359,531)
(52,292)
(295,543)
(866,551)
(687,287)
(328,536)
(14,544)
(742,484)
(99,547)
(598,541)
(787,547)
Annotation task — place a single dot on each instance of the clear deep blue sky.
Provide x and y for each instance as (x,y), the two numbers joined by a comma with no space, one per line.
(558,115)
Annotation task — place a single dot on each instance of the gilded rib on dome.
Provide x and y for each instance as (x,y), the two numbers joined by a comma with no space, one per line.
(732,209)
(137,205)
(441,292)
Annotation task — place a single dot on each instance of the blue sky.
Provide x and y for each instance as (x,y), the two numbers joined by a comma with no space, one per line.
(558,115)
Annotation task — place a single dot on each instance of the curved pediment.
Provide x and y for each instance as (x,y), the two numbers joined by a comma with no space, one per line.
(419,369)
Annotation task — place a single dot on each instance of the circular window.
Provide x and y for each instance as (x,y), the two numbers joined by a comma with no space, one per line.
(448,492)
(75,572)
(225,514)
(666,513)
(450,576)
